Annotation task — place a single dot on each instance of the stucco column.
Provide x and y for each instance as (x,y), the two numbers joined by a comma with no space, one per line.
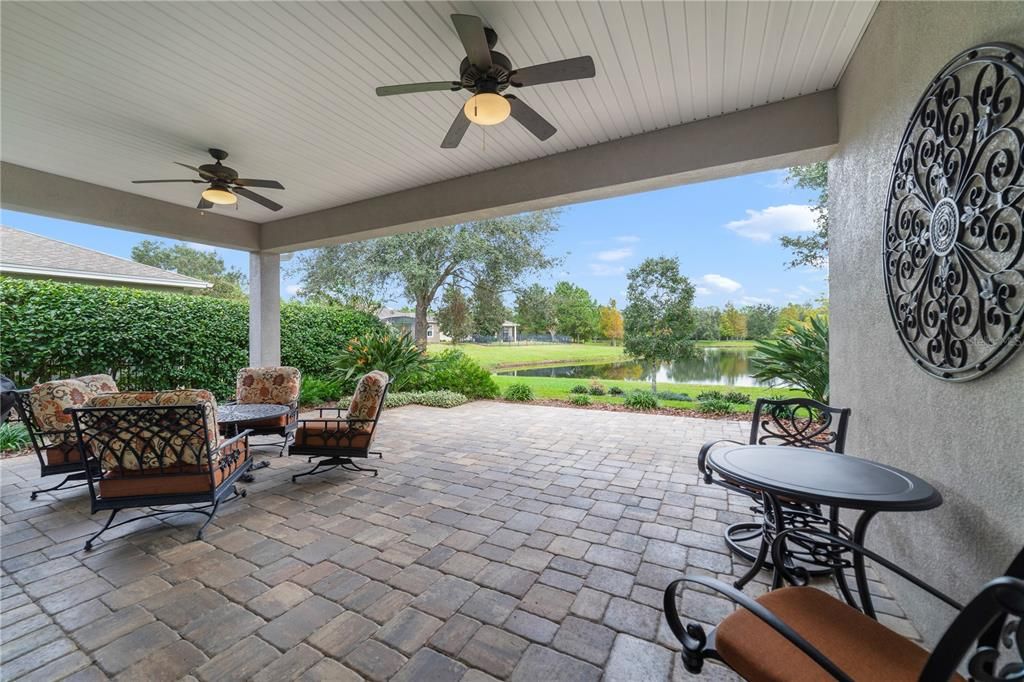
(264,309)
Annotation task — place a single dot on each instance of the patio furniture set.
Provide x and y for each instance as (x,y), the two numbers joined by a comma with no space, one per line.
(795,470)
(157,449)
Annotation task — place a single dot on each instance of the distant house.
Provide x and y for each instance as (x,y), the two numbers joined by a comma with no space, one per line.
(406,321)
(509,332)
(30,256)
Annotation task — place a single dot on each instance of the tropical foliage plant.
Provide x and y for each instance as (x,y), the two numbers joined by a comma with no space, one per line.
(453,370)
(580,399)
(13,437)
(641,400)
(388,350)
(519,392)
(799,358)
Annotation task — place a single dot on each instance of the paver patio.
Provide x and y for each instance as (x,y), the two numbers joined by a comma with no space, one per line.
(499,541)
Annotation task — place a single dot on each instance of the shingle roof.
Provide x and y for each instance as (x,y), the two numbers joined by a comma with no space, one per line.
(31,254)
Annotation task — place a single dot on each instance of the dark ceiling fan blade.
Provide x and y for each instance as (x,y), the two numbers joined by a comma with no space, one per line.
(249,182)
(201,172)
(530,119)
(409,88)
(203,203)
(459,127)
(471,33)
(553,72)
(259,199)
(140,182)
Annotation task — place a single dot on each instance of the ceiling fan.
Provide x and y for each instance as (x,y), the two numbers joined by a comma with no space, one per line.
(225,185)
(487,74)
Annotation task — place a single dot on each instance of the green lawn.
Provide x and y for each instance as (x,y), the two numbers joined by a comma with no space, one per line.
(558,389)
(496,356)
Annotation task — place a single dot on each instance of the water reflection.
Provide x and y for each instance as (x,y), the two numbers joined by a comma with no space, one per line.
(725,366)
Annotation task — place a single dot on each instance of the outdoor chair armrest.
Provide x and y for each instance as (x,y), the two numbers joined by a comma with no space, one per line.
(234,439)
(322,419)
(703,455)
(797,576)
(694,640)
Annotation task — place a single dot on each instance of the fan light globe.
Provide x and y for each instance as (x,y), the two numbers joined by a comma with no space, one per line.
(487,109)
(219,195)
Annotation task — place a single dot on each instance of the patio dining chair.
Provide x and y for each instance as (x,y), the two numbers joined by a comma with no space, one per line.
(795,422)
(271,386)
(50,429)
(338,436)
(803,633)
(156,449)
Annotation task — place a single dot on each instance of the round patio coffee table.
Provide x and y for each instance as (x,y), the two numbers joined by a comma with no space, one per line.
(841,481)
(234,419)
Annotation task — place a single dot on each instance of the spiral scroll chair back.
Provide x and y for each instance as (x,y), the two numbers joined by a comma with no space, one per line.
(799,422)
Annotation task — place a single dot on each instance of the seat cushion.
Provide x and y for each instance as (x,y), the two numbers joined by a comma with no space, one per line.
(50,399)
(860,646)
(176,480)
(330,434)
(267,385)
(99,383)
(67,453)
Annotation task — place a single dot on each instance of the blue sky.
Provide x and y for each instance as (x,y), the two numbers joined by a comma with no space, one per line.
(725,233)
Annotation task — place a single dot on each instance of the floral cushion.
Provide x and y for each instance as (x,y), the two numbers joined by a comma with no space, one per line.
(135,448)
(49,401)
(268,385)
(366,400)
(99,383)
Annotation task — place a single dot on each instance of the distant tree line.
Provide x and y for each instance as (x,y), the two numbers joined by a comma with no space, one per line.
(754,322)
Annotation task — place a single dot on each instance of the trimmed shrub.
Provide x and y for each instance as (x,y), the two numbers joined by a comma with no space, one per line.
(672,395)
(427,398)
(715,406)
(453,370)
(596,388)
(615,390)
(154,340)
(737,398)
(317,391)
(581,399)
(710,395)
(579,388)
(13,437)
(387,350)
(641,400)
(519,392)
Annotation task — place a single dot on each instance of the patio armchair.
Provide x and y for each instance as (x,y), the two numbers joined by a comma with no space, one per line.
(335,439)
(795,422)
(157,448)
(271,386)
(803,633)
(51,431)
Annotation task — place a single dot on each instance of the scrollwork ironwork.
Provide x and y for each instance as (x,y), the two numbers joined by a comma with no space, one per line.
(954,233)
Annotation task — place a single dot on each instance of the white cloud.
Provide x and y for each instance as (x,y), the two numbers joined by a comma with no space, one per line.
(721,283)
(702,291)
(764,225)
(293,288)
(754,300)
(627,238)
(605,270)
(614,254)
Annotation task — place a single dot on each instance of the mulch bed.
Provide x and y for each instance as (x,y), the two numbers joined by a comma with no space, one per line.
(610,407)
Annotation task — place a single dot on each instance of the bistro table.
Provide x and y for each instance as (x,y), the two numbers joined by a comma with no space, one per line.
(234,418)
(840,481)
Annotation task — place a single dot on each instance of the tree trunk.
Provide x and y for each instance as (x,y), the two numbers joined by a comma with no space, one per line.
(654,378)
(420,325)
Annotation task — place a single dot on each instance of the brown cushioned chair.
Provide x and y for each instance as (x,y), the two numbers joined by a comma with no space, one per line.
(51,431)
(271,386)
(802,633)
(158,448)
(337,436)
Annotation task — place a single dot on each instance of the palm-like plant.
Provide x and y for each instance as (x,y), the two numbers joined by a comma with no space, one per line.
(800,358)
(386,350)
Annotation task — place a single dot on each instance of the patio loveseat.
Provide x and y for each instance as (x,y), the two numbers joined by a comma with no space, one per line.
(158,448)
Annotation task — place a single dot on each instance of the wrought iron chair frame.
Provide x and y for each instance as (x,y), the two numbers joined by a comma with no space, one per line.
(92,422)
(41,440)
(790,429)
(287,432)
(340,455)
(984,621)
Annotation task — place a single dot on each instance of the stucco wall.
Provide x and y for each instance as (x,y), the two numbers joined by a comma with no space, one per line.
(967,439)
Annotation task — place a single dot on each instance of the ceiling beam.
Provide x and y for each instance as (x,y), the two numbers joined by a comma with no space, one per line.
(31,191)
(779,135)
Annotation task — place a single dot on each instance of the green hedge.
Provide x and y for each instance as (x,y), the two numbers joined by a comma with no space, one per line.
(153,340)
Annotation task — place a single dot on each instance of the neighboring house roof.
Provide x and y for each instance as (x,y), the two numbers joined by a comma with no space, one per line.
(24,253)
(385,314)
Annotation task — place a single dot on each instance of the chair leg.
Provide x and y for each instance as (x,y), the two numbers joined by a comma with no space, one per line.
(88,543)
(312,471)
(349,465)
(209,518)
(70,477)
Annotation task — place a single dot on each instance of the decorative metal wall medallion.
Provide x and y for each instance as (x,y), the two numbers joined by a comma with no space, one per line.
(953,247)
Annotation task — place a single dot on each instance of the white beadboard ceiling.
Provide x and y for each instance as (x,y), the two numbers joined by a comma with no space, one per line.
(108,92)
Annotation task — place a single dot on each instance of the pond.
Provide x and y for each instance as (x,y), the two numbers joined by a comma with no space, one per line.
(725,366)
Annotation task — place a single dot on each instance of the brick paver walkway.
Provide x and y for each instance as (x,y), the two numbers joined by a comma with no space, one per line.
(499,541)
